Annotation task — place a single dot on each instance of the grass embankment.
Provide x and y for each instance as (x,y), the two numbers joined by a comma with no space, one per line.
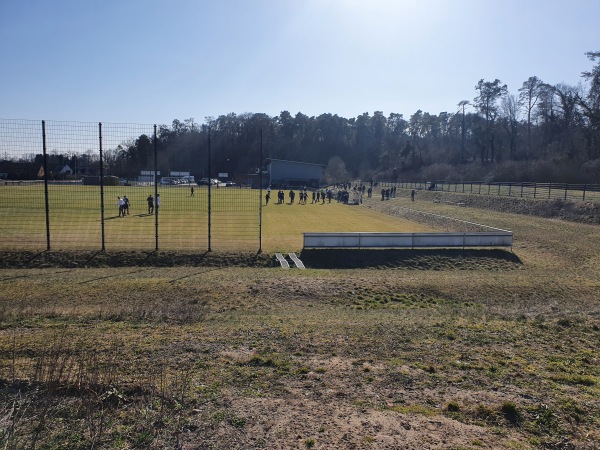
(497,351)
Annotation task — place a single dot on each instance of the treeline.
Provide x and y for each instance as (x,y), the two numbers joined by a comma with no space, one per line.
(541,132)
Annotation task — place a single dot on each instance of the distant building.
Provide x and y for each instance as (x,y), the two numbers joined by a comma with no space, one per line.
(294,173)
(66,170)
(147,176)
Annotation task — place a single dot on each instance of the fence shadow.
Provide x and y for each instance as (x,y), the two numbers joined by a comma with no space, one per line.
(116,275)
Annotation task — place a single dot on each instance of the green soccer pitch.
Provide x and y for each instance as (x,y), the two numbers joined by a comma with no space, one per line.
(75,219)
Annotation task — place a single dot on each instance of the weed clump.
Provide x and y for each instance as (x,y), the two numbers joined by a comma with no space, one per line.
(565,323)
(511,413)
(453,407)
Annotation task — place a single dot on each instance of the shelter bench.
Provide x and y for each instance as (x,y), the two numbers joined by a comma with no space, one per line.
(500,238)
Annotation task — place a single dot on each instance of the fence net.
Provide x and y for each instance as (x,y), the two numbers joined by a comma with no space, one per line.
(22,205)
(80,213)
(531,190)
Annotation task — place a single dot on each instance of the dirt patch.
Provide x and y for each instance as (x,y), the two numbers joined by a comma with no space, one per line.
(338,427)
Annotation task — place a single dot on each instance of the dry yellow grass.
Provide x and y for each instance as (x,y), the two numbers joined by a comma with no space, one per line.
(470,355)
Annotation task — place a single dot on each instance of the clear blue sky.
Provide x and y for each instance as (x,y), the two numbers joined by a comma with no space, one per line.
(154,61)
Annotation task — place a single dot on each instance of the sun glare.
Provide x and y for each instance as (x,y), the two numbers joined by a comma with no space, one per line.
(379,21)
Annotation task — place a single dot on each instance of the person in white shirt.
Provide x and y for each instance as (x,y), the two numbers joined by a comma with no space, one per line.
(120,205)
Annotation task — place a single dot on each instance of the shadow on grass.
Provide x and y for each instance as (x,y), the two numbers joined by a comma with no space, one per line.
(115,275)
(58,272)
(115,259)
(427,259)
(202,272)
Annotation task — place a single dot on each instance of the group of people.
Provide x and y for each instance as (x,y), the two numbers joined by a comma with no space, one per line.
(123,205)
(317,196)
(386,194)
(302,194)
(150,201)
(281,196)
(344,194)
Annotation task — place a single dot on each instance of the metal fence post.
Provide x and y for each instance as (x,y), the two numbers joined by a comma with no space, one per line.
(156,196)
(101,186)
(209,193)
(46,185)
(260,167)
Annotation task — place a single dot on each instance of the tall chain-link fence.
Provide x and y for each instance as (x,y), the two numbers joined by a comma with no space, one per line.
(60,188)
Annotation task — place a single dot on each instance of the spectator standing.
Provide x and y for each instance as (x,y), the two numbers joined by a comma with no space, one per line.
(120,206)
(150,201)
